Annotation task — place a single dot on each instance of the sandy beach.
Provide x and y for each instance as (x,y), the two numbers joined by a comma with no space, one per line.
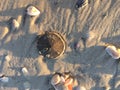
(92,66)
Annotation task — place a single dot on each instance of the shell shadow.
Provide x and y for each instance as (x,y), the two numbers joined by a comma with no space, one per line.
(12,12)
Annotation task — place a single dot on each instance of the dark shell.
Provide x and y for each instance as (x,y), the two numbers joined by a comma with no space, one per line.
(51,44)
(80,3)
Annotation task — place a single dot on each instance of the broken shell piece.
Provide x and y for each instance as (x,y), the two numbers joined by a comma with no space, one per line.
(27,86)
(68,81)
(14,24)
(112,51)
(4,79)
(55,79)
(81,3)
(25,71)
(32,11)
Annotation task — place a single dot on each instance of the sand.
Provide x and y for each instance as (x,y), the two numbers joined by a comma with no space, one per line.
(91,65)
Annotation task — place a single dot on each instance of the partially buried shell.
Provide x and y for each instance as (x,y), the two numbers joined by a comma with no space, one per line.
(57,79)
(4,79)
(14,24)
(112,51)
(32,11)
(81,3)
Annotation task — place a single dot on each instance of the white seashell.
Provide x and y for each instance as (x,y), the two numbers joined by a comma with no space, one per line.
(80,87)
(112,51)
(4,79)
(15,24)
(27,86)
(7,58)
(55,79)
(32,11)
(25,71)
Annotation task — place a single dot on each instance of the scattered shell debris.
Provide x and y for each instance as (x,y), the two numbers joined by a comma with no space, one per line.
(112,51)
(62,80)
(32,11)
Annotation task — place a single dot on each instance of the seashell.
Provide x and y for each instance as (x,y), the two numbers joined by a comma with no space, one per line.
(14,24)
(27,85)
(80,88)
(112,51)
(32,11)
(55,79)
(81,3)
(7,58)
(25,71)
(4,79)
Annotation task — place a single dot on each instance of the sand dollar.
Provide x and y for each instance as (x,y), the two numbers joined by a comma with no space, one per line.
(51,44)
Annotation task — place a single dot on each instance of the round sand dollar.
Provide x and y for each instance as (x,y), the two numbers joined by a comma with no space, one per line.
(51,44)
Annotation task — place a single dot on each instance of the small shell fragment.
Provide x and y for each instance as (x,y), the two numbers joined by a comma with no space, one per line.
(4,79)
(112,51)
(27,86)
(55,79)
(80,87)
(14,24)
(32,11)
(81,3)
(7,58)
(25,71)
